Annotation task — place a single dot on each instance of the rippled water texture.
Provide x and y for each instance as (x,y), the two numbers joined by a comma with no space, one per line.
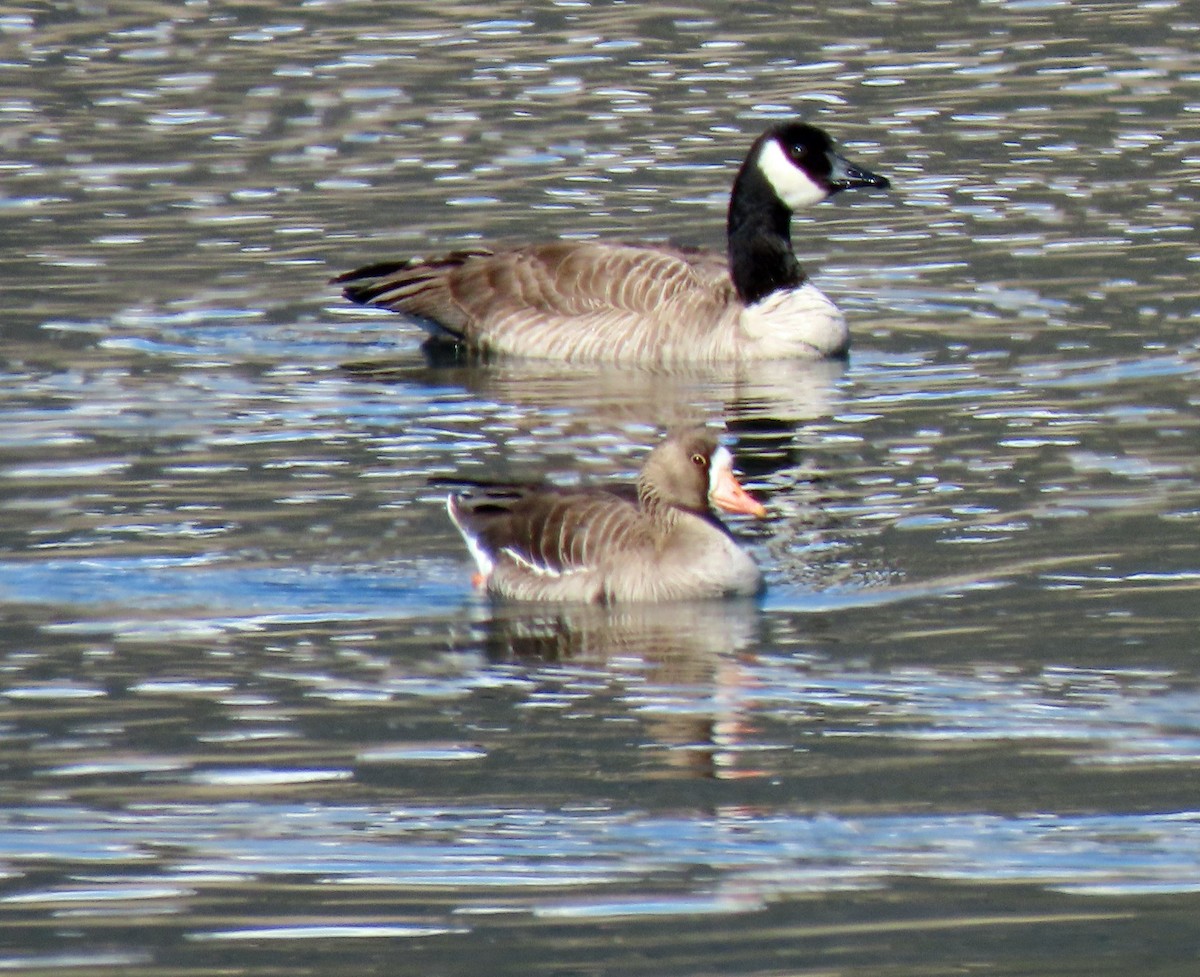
(254,719)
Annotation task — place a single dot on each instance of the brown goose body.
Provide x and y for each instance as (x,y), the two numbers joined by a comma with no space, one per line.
(662,542)
(610,302)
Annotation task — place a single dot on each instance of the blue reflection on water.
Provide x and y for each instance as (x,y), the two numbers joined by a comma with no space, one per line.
(482,849)
(159,583)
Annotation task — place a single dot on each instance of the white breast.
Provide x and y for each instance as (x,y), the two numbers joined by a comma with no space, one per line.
(794,322)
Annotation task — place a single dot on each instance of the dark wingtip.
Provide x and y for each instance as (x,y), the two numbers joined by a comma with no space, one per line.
(368,271)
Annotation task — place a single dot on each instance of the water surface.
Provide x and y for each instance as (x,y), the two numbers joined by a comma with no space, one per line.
(252,715)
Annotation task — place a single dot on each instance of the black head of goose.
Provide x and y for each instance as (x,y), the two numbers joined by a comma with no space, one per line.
(610,302)
(660,542)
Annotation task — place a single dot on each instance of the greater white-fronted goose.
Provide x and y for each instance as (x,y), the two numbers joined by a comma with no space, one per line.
(608,302)
(660,542)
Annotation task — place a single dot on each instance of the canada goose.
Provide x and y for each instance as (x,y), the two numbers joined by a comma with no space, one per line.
(610,302)
(660,542)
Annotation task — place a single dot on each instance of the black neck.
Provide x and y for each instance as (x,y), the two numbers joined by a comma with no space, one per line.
(759,237)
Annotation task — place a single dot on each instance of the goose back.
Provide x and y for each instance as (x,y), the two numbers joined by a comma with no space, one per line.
(571,300)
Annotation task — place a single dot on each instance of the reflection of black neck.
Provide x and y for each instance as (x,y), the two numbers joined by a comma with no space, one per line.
(759,237)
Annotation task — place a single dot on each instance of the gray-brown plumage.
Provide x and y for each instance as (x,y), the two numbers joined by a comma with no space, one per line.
(602,301)
(660,542)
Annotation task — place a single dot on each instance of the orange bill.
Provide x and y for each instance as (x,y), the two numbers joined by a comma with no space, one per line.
(727,493)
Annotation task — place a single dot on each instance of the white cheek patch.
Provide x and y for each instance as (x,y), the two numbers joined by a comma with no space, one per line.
(721,461)
(793,186)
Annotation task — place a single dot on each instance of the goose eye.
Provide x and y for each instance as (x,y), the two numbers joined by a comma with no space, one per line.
(797,152)
(699,460)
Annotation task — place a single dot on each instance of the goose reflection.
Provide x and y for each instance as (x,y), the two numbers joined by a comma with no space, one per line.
(760,406)
(683,665)
(609,399)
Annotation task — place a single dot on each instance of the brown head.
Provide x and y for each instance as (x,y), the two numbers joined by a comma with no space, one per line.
(690,469)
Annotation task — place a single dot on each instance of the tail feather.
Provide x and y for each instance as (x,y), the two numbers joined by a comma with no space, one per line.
(416,286)
(377,270)
(391,289)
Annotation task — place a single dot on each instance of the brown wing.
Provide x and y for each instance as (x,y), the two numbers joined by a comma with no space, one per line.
(565,300)
(549,531)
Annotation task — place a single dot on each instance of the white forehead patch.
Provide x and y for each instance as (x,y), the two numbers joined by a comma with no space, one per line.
(792,185)
(721,461)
